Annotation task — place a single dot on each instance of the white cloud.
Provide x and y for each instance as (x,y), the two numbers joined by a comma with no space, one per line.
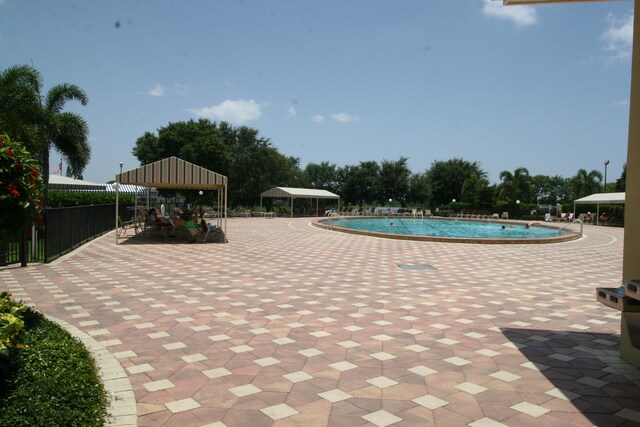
(180,89)
(292,111)
(157,90)
(619,35)
(344,117)
(236,112)
(522,16)
(620,103)
(318,118)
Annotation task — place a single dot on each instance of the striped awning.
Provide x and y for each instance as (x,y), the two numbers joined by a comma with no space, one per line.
(173,173)
(301,193)
(126,189)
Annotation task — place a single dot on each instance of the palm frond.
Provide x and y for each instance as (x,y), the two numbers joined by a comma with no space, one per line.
(71,140)
(60,94)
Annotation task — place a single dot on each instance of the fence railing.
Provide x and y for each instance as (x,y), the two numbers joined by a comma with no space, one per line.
(64,230)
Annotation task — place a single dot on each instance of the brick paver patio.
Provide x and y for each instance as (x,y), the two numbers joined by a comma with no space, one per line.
(290,325)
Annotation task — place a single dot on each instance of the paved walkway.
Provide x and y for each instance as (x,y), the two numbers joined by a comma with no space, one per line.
(290,325)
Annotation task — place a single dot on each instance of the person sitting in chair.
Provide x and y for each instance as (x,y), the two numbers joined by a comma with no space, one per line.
(157,221)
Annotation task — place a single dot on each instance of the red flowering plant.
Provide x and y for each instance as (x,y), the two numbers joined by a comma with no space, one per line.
(20,189)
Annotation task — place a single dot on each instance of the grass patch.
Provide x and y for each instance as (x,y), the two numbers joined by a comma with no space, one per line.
(52,380)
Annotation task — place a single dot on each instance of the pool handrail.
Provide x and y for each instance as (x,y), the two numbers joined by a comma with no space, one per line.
(573,222)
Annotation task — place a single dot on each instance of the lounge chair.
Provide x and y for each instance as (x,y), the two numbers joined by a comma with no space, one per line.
(123,226)
(505,215)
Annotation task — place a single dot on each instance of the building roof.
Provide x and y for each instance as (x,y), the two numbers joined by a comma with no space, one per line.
(302,193)
(61,183)
(173,172)
(601,198)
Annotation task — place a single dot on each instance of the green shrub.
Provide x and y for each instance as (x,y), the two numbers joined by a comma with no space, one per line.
(11,323)
(51,380)
(20,189)
(60,199)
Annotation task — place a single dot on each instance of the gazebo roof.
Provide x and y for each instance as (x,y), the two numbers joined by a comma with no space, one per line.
(59,182)
(602,198)
(173,172)
(302,193)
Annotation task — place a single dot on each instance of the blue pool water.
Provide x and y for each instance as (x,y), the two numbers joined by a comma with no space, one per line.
(446,228)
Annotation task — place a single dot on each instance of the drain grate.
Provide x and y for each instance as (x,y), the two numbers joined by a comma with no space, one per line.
(416,267)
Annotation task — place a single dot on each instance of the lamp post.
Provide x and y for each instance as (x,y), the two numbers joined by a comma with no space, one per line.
(606,163)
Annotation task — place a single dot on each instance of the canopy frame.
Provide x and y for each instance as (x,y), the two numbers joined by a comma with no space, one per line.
(598,199)
(175,173)
(299,193)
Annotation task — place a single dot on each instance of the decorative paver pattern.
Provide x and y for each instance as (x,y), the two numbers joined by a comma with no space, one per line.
(291,325)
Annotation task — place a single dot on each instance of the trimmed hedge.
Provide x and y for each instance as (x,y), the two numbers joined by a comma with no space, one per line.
(51,380)
(61,199)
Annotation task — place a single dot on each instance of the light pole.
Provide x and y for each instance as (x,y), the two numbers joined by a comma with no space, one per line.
(606,163)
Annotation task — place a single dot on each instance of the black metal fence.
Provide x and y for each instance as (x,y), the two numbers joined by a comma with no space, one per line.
(64,230)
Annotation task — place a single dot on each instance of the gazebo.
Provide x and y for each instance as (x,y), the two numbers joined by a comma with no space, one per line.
(299,193)
(175,173)
(600,199)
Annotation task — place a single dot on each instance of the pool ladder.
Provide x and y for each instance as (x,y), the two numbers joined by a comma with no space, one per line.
(573,222)
(337,215)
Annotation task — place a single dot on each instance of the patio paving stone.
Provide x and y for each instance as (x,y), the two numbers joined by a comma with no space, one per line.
(290,325)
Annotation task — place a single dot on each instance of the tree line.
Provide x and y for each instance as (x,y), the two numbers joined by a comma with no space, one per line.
(253,165)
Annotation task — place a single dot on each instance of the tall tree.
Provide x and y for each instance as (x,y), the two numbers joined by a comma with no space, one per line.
(446,179)
(20,87)
(394,180)
(476,192)
(249,160)
(41,123)
(622,181)
(323,176)
(361,183)
(585,183)
(419,190)
(515,186)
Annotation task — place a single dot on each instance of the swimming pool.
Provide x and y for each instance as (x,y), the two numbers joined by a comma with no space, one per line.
(436,229)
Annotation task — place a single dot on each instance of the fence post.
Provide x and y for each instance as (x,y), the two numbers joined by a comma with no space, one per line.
(23,249)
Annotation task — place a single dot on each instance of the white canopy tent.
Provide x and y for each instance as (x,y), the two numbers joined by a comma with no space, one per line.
(600,199)
(175,173)
(299,193)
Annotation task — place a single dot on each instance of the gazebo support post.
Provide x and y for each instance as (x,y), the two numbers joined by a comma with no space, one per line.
(117,197)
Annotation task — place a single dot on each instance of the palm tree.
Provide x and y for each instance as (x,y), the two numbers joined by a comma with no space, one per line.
(19,102)
(41,123)
(585,183)
(516,186)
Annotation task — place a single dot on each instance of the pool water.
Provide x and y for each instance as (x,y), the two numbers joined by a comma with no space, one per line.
(446,228)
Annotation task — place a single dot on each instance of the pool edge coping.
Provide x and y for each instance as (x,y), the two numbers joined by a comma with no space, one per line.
(570,236)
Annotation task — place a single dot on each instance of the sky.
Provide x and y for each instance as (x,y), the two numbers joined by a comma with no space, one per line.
(542,87)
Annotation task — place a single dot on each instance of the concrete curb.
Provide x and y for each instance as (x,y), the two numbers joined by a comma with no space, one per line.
(121,409)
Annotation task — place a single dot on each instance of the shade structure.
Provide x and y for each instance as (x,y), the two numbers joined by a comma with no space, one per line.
(126,189)
(175,173)
(299,193)
(64,183)
(603,198)
(600,199)
(522,2)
